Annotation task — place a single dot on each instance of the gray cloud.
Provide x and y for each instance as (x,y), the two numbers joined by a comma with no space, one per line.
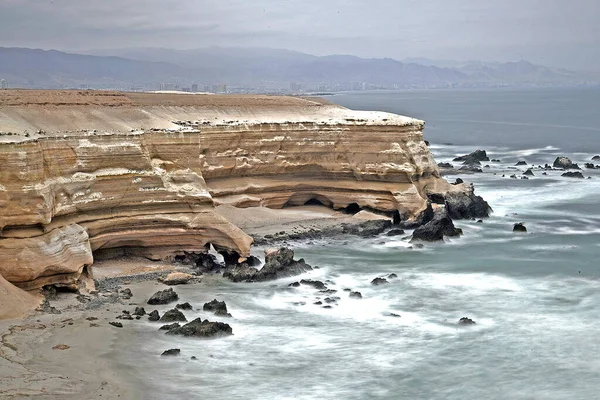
(553,32)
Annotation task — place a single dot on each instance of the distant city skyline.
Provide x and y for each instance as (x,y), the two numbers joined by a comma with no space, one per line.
(547,32)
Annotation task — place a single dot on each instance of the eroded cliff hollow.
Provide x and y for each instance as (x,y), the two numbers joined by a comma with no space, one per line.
(95,174)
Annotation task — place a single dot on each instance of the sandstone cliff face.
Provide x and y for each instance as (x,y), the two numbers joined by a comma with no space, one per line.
(87,186)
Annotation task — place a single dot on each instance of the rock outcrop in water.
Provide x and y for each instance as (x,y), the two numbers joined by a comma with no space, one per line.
(88,174)
(564,163)
(279,264)
(202,329)
(474,158)
(435,230)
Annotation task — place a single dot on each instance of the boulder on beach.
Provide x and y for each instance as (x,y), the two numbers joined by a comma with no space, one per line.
(435,230)
(116,324)
(519,227)
(466,321)
(564,163)
(163,297)
(202,329)
(177,278)
(172,316)
(573,174)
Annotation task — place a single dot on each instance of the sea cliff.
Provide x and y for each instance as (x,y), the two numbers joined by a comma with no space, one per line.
(89,175)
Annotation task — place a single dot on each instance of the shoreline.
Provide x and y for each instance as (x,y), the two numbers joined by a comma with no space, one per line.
(29,366)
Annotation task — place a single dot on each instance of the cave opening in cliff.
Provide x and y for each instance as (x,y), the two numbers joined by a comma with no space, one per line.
(352,208)
(314,202)
(308,199)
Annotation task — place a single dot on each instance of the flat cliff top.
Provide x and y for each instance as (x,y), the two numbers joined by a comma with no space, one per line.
(31,114)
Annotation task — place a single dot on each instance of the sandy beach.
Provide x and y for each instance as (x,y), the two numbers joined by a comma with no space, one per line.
(69,355)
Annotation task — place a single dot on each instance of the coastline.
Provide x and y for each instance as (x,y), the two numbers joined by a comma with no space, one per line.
(29,366)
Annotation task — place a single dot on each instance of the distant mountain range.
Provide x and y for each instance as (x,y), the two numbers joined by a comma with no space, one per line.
(259,69)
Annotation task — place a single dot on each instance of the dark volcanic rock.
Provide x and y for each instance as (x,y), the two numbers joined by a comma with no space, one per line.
(458,181)
(294,284)
(379,281)
(520,163)
(596,158)
(207,262)
(168,327)
(241,273)
(564,163)
(253,261)
(589,165)
(470,168)
(529,172)
(519,227)
(355,295)
(203,329)
(139,311)
(466,206)
(495,160)
(154,316)
(184,306)
(477,155)
(395,232)
(278,264)
(163,297)
(171,352)
(575,174)
(367,228)
(219,308)
(392,276)
(172,316)
(441,225)
(445,165)
(315,284)
(126,293)
(116,324)
(466,321)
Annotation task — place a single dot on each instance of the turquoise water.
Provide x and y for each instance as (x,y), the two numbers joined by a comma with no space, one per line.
(535,296)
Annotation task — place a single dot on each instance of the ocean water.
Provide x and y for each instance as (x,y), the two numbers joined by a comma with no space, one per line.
(535,296)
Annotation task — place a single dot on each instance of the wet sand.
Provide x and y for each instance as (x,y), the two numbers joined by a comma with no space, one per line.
(31,366)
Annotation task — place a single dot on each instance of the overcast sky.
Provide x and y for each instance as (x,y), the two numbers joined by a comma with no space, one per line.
(551,32)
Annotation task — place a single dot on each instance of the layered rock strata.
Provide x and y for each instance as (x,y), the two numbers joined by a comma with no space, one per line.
(103,174)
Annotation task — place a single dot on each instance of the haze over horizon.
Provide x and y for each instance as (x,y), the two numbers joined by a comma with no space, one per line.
(551,33)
